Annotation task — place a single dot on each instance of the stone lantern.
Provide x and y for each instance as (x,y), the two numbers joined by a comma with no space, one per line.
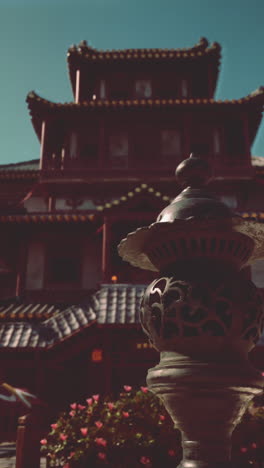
(202,314)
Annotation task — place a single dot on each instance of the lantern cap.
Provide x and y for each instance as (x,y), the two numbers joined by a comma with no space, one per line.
(195,201)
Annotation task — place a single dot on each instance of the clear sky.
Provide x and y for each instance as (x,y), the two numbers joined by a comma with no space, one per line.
(35,36)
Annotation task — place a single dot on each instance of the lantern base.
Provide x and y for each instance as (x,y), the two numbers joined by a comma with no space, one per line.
(206,400)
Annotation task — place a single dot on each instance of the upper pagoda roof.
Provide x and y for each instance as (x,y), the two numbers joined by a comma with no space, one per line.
(83,54)
(41,108)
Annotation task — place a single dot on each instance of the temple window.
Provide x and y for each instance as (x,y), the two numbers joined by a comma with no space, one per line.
(217,141)
(73,150)
(102,89)
(170,143)
(184,88)
(143,89)
(145,144)
(201,142)
(118,149)
(89,148)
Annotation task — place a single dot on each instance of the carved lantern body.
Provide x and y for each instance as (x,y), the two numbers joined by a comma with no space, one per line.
(202,314)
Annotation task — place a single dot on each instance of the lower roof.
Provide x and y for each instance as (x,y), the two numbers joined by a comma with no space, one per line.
(45,325)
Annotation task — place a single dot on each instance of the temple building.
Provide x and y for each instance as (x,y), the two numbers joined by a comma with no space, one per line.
(69,306)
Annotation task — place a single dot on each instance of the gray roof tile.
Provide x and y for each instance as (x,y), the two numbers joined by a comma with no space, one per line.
(119,303)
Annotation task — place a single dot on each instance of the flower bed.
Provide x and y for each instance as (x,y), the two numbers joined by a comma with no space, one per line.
(134,431)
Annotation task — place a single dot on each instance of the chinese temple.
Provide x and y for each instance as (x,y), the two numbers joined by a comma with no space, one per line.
(69,306)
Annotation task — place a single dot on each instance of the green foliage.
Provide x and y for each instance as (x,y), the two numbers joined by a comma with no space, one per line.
(134,430)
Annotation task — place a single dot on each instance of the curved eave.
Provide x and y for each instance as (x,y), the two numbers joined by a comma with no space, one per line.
(19,175)
(41,109)
(46,218)
(83,55)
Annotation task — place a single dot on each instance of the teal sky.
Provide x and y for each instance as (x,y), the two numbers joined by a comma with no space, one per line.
(35,36)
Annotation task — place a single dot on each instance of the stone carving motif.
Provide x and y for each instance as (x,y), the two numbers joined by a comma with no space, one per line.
(174,308)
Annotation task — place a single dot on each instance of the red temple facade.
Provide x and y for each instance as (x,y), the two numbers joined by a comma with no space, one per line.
(69,306)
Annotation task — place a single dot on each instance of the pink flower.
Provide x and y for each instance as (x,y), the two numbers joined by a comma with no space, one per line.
(99,424)
(127,388)
(161,417)
(110,405)
(144,389)
(262,374)
(243,449)
(101,441)
(171,453)
(72,454)
(84,431)
(63,437)
(73,405)
(43,441)
(89,401)
(96,397)
(125,414)
(66,466)
(81,407)
(102,456)
(144,460)
(72,413)
(54,426)
(254,445)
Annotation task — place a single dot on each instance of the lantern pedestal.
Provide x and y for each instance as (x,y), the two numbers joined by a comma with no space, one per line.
(206,401)
(201,314)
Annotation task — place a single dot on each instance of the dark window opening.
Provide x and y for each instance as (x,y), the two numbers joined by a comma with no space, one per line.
(118,150)
(64,270)
(170,145)
(235,143)
(64,265)
(143,89)
(200,149)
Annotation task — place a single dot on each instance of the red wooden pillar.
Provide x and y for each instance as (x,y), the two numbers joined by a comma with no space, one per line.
(45,148)
(210,82)
(77,86)
(186,134)
(31,429)
(101,144)
(246,134)
(21,268)
(42,144)
(106,250)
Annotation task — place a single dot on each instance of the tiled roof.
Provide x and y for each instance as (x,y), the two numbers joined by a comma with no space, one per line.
(257,161)
(32,165)
(21,170)
(40,107)
(36,103)
(62,325)
(88,53)
(18,169)
(17,311)
(119,303)
(112,304)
